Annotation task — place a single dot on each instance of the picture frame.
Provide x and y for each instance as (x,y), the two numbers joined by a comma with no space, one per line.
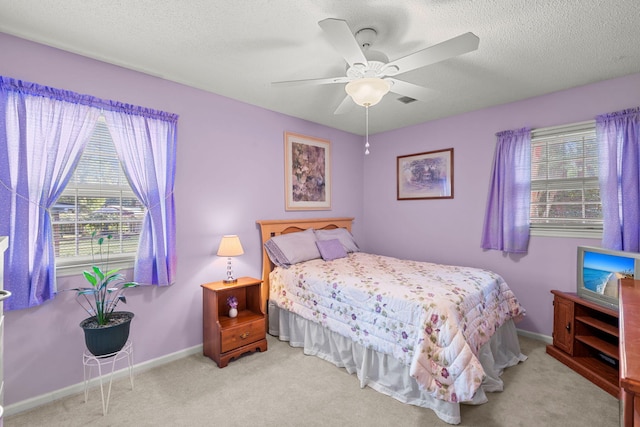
(307,172)
(427,175)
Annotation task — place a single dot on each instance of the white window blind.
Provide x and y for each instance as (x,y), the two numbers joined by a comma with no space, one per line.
(97,199)
(565,193)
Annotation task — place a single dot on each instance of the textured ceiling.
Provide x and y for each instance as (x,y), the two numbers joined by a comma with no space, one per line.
(236,48)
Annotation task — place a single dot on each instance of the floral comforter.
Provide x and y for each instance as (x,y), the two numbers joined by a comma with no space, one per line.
(433,318)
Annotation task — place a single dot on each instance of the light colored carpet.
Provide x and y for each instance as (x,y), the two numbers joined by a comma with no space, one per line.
(283,387)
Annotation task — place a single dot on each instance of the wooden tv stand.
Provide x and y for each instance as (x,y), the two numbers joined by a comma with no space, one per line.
(586,339)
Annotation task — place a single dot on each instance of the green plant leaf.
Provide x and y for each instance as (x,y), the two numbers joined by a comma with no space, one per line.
(110,279)
(90,278)
(114,271)
(98,271)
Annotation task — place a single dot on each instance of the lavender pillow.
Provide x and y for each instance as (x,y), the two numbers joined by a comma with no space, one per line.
(342,234)
(331,249)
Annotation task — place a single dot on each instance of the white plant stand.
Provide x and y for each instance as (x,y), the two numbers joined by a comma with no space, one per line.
(90,361)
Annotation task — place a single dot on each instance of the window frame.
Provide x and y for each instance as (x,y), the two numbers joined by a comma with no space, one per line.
(68,266)
(590,232)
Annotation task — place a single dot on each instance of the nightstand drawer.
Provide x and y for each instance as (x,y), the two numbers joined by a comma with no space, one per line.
(243,334)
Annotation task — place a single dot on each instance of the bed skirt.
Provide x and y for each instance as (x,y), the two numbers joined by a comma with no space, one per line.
(386,374)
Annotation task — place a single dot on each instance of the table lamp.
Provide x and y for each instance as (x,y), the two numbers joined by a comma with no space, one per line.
(230,246)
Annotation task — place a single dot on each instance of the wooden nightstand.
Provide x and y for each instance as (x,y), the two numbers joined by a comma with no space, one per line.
(225,338)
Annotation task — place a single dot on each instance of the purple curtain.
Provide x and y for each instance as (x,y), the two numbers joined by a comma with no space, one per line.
(42,134)
(145,141)
(506,221)
(619,141)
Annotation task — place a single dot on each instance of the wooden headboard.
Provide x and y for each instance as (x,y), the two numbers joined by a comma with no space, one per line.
(270,228)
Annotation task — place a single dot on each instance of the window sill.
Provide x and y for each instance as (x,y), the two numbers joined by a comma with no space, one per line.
(555,232)
(78,266)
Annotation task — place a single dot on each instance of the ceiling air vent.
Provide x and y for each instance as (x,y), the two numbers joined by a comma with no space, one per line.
(407,100)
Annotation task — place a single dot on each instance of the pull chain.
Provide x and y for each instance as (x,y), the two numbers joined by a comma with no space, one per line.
(366,145)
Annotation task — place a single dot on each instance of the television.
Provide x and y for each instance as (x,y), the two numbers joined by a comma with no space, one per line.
(599,270)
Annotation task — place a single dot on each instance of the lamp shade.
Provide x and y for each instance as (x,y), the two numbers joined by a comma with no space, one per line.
(367,91)
(230,246)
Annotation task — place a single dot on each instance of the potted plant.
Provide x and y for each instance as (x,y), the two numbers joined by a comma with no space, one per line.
(106,331)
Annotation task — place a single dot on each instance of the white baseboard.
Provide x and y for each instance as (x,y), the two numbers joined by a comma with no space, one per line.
(535,336)
(43,399)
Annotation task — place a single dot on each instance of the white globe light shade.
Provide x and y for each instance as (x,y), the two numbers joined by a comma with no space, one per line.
(367,91)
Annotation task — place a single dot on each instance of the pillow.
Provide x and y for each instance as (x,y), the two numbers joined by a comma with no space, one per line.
(288,249)
(331,249)
(342,234)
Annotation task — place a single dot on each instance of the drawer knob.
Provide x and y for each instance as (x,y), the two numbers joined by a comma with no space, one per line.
(244,336)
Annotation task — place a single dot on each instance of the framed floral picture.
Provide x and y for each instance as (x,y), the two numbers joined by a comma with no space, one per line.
(426,175)
(307,172)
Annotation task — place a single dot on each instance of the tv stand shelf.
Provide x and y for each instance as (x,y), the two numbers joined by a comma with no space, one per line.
(600,345)
(609,329)
(586,338)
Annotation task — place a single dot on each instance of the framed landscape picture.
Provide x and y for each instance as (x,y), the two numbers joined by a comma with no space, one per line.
(426,175)
(307,172)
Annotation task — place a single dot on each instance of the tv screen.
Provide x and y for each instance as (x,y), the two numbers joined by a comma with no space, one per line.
(599,271)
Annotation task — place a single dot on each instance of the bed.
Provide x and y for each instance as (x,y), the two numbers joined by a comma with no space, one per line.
(425,334)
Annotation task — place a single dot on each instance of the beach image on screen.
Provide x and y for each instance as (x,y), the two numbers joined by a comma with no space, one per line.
(601,272)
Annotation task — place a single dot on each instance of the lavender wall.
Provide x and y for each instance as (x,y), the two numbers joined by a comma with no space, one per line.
(229,174)
(449,231)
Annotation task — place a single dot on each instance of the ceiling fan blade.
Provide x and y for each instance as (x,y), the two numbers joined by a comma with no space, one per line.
(342,39)
(313,81)
(345,106)
(413,91)
(464,43)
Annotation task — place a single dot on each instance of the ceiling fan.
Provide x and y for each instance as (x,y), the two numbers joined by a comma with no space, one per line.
(370,75)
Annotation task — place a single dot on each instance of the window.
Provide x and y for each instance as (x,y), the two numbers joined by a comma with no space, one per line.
(45,131)
(97,199)
(565,193)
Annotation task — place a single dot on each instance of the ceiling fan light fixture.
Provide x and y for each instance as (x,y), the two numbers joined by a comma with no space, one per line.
(367,91)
